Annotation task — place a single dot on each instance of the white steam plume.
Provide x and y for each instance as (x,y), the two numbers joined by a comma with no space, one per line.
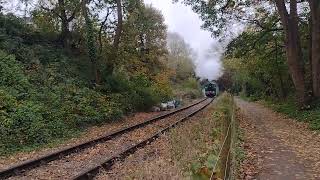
(208,63)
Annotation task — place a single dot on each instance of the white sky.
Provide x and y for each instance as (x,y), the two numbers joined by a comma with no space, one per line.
(182,20)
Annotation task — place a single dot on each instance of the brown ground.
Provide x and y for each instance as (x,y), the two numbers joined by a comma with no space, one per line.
(73,164)
(152,162)
(157,161)
(91,133)
(277,148)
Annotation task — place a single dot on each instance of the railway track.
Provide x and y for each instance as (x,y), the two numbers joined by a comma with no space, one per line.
(84,160)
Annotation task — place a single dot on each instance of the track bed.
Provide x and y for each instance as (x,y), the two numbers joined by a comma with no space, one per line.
(82,159)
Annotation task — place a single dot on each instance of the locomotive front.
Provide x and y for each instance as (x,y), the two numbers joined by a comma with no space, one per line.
(210,90)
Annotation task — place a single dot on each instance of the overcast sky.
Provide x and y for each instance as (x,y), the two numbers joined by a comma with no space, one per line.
(182,20)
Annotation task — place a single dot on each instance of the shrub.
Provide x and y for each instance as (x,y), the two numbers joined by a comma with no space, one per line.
(138,93)
(11,73)
(191,83)
(162,88)
(289,108)
(45,104)
(21,123)
(27,125)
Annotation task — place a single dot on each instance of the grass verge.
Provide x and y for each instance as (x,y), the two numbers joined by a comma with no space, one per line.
(238,151)
(196,146)
(289,108)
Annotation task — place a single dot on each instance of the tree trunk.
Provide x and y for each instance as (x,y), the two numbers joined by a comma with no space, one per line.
(119,26)
(315,47)
(91,47)
(309,67)
(293,47)
(64,33)
(283,93)
(64,24)
(117,37)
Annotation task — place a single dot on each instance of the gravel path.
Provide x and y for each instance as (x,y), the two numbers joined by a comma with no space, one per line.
(73,164)
(277,148)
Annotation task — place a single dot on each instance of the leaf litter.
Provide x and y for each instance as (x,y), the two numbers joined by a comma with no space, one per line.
(277,147)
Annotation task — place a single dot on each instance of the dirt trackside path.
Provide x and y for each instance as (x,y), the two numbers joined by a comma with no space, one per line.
(277,148)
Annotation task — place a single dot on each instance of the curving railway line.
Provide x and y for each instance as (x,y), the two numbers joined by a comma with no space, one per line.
(83,161)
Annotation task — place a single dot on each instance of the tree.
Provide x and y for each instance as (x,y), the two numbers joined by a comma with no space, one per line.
(180,58)
(1,5)
(293,47)
(66,11)
(178,47)
(26,4)
(143,45)
(111,28)
(91,46)
(315,45)
(257,68)
(117,35)
(119,26)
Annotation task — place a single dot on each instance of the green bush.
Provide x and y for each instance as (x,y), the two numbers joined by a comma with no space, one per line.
(45,104)
(138,92)
(144,95)
(21,122)
(11,73)
(189,89)
(191,83)
(7,105)
(290,108)
(28,126)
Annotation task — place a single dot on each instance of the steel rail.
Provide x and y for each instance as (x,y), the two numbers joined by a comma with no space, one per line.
(91,172)
(17,169)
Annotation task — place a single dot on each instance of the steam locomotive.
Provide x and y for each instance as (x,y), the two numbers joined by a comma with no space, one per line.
(211,89)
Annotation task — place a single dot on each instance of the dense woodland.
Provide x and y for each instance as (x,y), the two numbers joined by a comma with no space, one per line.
(69,64)
(272,50)
(282,34)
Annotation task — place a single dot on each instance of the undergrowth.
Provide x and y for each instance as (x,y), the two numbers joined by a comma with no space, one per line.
(289,108)
(238,150)
(196,146)
(188,89)
(46,93)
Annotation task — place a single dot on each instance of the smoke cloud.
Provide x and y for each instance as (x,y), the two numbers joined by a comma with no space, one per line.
(184,21)
(208,63)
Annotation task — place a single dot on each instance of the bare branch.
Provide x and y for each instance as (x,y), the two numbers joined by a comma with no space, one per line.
(75,11)
(50,10)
